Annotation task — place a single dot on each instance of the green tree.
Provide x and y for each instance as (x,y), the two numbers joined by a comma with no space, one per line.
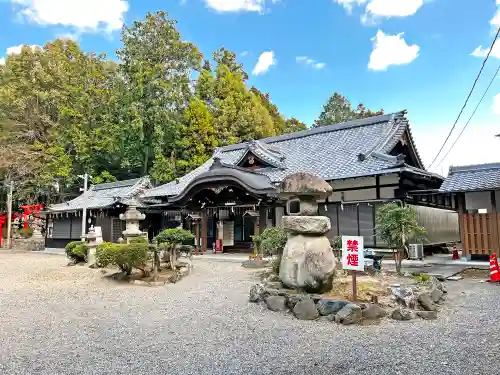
(225,57)
(293,125)
(338,109)
(272,109)
(396,225)
(157,68)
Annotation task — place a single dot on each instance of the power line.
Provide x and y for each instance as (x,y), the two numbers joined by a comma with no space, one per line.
(470,118)
(468,97)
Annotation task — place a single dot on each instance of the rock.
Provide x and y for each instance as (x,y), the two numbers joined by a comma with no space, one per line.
(349,314)
(427,315)
(184,271)
(307,224)
(292,299)
(302,183)
(307,264)
(426,302)
(436,294)
(254,263)
(305,310)
(438,284)
(276,303)
(455,278)
(273,284)
(330,306)
(176,276)
(257,292)
(401,314)
(328,318)
(438,276)
(373,311)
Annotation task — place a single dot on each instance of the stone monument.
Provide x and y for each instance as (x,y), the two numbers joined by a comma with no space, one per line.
(94,238)
(132,217)
(308,263)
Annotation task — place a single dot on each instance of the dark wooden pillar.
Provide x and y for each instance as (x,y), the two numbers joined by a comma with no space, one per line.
(262,218)
(462,228)
(204,221)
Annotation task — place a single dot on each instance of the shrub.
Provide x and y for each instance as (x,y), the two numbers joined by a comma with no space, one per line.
(272,242)
(26,232)
(174,236)
(133,255)
(76,251)
(125,256)
(106,253)
(142,240)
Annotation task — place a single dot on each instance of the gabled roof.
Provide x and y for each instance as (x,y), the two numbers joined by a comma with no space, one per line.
(472,178)
(105,195)
(351,149)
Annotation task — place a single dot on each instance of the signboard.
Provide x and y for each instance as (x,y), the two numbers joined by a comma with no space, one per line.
(353,253)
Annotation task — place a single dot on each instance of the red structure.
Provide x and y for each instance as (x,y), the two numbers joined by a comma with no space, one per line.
(494,271)
(3,222)
(29,210)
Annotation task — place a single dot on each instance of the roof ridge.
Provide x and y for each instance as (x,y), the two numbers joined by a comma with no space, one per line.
(473,167)
(319,130)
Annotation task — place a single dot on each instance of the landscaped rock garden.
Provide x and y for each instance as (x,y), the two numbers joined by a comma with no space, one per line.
(380,297)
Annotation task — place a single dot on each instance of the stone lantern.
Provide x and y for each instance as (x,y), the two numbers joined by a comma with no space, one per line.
(308,263)
(93,240)
(132,217)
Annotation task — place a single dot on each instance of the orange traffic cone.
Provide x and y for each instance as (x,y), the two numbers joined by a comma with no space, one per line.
(494,271)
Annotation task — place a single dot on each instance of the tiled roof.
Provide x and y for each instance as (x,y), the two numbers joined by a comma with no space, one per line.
(351,149)
(105,195)
(472,178)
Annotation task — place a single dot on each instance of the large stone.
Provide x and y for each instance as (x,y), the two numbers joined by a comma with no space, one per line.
(436,294)
(305,310)
(307,224)
(257,293)
(330,306)
(426,301)
(373,311)
(276,303)
(304,184)
(307,264)
(401,314)
(292,299)
(427,315)
(349,314)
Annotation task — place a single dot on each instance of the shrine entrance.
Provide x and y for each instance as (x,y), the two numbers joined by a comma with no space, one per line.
(226,206)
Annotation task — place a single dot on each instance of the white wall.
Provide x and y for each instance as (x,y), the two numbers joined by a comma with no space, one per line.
(478,200)
(362,194)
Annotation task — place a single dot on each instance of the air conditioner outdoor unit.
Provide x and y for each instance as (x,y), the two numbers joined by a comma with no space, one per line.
(416,251)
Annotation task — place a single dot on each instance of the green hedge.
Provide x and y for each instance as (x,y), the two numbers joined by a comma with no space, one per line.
(76,251)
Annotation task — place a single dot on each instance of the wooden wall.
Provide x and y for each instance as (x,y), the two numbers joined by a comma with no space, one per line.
(480,233)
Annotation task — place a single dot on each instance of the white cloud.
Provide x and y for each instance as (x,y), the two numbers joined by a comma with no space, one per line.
(88,15)
(311,62)
(482,52)
(15,50)
(236,5)
(349,4)
(2,61)
(391,50)
(266,60)
(496,105)
(376,9)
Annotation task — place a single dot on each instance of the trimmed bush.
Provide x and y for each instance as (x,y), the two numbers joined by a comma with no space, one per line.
(125,256)
(76,251)
(272,242)
(174,236)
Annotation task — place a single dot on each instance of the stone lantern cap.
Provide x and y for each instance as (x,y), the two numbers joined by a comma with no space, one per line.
(304,184)
(132,214)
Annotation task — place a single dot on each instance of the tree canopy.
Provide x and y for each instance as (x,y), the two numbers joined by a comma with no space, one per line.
(338,109)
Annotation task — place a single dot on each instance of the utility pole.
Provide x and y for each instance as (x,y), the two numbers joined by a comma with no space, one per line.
(84,213)
(9,213)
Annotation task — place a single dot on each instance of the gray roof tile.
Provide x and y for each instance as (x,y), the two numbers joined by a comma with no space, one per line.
(472,178)
(330,152)
(105,195)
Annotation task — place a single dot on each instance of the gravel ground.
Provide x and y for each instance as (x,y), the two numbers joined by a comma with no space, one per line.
(68,320)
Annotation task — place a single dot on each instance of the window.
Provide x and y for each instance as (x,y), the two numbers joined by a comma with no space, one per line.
(293,207)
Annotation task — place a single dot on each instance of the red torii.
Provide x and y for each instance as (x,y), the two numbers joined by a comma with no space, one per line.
(28,210)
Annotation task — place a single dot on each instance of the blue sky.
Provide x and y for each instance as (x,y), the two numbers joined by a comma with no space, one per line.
(419,55)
